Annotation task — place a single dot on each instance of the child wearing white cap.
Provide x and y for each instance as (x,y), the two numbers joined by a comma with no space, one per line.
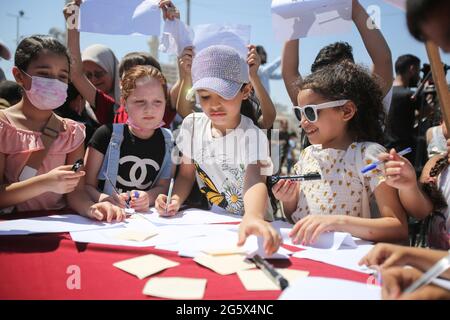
(222,149)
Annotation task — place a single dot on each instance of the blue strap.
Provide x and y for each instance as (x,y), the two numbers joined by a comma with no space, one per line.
(166,167)
(110,165)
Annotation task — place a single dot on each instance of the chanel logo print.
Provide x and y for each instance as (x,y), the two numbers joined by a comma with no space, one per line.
(138,164)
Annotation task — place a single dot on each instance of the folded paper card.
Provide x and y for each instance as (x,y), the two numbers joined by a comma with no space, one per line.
(175,288)
(224,251)
(317,288)
(257,280)
(224,265)
(121,17)
(145,266)
(304,18)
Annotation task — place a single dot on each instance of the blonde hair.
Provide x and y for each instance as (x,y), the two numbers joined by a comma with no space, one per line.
(131,76)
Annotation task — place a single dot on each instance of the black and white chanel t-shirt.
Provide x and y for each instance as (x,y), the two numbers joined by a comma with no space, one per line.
(140,160)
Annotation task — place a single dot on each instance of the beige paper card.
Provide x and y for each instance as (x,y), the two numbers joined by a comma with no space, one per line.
(224,251)
(257,280)
(175,288)
(136,235)
(145,266)
(224,265)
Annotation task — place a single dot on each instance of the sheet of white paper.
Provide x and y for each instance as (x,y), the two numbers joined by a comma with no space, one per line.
(282,253)
(317,288)
(191,217)
(175,37)
(121,17)
(331,240)
(52,224)
(218,239)
(305,18)
(344,258)
(111,236)
(236,36)
(401,4)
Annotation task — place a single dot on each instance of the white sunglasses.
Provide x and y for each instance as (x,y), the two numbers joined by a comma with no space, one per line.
(310,110)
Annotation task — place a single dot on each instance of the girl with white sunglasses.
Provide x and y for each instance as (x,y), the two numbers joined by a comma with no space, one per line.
(341,111)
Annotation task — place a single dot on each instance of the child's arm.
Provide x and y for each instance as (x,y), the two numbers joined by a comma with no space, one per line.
(59,180)
(255,204)
(376,46)
(287,192)
(77,76)
(400,174)
(388,255)
(181,190)
(391,227)
(184,107)
(80,201)
(268,109)
(289,68)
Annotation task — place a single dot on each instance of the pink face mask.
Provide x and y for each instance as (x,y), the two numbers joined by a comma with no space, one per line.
(133,124)
(45,93)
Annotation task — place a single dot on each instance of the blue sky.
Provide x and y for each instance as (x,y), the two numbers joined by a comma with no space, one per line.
(41,15)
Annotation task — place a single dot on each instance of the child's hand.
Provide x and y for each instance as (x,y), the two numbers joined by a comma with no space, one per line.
(172,209)
(106,211)
(307,230)
(62,179)
(397,279)
(71,14)
(253,61)
(285,190)
(386,255)
(185,60)
(169,10)
(259,227)
(399,172)
(140,203)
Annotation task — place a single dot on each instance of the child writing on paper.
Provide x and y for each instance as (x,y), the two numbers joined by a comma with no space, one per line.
(41,68)
(392,260)
(223,149)
(427,199)
(136,156)
(342,114)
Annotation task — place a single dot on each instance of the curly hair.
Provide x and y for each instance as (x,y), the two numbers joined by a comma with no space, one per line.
(348,81)
(332,53)
(129,79)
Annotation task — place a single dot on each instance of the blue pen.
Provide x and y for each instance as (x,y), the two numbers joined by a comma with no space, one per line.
(377,163)
(136,194)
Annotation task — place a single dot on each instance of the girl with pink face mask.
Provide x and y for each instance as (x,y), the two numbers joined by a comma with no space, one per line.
(37,147)
(130,164)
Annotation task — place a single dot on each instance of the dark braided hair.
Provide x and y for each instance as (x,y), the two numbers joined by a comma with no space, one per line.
(431,189)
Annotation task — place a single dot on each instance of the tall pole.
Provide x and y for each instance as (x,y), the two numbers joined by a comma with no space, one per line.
(188,12)
(17,16)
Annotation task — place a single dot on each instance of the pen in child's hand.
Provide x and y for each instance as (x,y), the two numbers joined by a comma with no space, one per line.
(377,163)
(169,194)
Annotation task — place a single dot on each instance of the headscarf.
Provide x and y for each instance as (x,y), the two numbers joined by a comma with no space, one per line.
(105,58)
